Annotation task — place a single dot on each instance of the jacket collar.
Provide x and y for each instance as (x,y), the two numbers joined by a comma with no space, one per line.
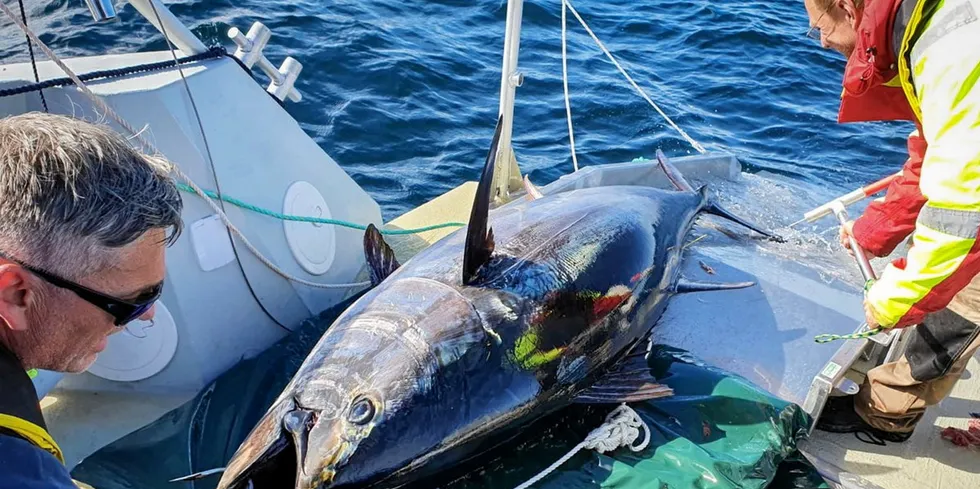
(19,398)
(872,90)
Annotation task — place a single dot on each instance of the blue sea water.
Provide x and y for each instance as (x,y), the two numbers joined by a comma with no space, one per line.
(404,95)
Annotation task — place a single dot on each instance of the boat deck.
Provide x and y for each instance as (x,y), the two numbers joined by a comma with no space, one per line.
(926,461)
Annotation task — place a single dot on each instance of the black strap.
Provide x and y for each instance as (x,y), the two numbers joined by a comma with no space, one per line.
(19,398)
(214,52)
(902,19)
(30,49)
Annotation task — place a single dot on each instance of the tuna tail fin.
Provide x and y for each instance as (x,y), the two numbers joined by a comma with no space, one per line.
(712,207)
(380,257)
(479,236)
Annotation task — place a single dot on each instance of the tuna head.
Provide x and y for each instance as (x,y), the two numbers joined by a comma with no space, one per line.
(380,391)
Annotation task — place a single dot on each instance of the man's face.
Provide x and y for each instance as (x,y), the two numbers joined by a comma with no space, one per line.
(65,333)
(837,22)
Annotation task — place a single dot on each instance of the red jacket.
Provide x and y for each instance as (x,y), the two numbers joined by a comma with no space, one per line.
(886,222)
(867,97)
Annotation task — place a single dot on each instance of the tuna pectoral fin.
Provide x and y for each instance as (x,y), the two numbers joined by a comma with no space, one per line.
(713,208)
(380,257)
(628,381)
(479,236)
(684,285)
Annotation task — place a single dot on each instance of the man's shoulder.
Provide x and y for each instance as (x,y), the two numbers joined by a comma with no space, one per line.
(25,466)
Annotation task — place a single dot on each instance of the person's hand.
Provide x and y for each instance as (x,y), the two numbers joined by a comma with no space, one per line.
(869,315)
(846,231)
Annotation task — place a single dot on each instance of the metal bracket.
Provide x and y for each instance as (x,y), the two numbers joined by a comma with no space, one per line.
(249,52)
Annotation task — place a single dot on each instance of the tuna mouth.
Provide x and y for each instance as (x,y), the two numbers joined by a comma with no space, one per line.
(275,470)
(289,463)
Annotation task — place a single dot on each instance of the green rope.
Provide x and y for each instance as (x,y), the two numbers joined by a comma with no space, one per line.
(315,220)
(827,338)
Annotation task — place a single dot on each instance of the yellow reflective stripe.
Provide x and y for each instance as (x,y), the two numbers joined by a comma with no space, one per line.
(933,257)
(33,433)
(895,82)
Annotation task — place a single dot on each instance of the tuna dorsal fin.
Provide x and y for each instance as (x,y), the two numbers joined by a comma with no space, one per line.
(629,381)
(532,190)
(673,174)
(479,236)
(380,257)
(712,207)
(684,285)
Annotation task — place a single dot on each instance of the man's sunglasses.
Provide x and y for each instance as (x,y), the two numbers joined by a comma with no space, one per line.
(124,312)
(814,31)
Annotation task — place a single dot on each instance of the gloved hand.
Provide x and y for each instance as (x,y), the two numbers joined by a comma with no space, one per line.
(846,231)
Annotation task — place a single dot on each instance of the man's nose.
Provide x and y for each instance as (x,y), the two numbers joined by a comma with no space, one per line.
(148,315)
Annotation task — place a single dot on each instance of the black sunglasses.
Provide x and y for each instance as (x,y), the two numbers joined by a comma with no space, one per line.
(124,312)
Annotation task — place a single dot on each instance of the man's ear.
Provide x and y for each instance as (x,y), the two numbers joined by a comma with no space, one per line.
(16,296)
(851,12)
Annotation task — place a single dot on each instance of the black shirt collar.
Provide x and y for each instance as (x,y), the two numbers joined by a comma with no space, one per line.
(18,397)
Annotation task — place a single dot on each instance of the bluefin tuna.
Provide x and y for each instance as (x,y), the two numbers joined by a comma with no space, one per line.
(531,308)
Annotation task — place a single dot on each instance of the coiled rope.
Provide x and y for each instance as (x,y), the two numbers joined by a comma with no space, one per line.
(621,429)
(101,104)
(567,3)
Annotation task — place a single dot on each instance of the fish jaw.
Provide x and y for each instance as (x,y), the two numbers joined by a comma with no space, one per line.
(264,450)
(322,449)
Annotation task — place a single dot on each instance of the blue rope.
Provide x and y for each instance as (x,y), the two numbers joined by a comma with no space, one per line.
(315,220)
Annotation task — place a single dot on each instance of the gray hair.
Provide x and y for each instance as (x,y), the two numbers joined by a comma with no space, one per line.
(72,192)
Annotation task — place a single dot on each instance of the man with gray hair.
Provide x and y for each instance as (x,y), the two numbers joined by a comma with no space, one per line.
(84,223)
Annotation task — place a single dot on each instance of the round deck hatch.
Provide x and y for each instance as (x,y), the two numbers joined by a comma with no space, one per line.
(313,245)
(140,351)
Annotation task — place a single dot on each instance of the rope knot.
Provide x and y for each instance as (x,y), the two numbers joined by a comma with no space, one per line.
(621,429)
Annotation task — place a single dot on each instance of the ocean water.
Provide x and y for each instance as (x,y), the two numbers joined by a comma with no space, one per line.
(404,95)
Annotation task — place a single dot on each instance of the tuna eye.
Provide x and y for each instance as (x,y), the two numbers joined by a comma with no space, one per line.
(361,412)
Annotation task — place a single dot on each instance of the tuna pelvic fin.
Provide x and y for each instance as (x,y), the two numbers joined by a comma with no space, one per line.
(380,257)
(628,381)
(479,236)
(684,285)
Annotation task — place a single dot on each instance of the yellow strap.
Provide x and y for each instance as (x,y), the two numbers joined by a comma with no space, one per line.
(33,433)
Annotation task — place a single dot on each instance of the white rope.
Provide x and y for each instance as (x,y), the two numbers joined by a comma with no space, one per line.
(97,100)
(696,145)
(621,429)
(564,79)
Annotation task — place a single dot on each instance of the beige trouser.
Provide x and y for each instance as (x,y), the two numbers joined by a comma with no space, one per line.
(895,395)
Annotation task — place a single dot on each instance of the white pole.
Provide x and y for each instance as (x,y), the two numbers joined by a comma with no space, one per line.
(510,79)
(179,34)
